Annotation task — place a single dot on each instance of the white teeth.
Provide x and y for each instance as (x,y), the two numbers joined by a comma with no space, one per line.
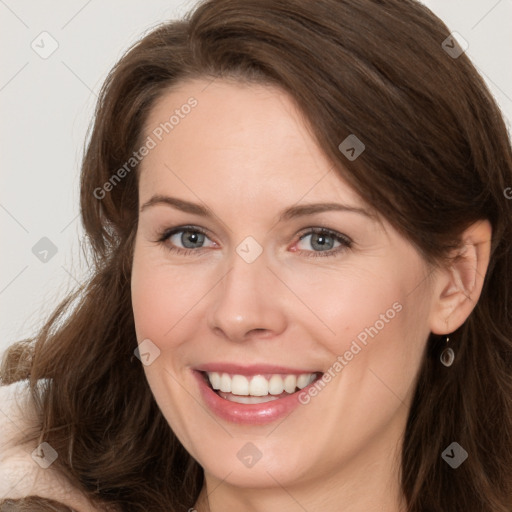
(239,385)
(259,385)
(290,383)
(215,380)
(302,381)
(225,383)
(275,385)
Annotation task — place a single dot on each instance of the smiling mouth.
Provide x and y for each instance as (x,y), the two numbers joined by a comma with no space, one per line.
(257,389)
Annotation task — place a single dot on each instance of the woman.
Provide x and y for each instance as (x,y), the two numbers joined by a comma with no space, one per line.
(301,282)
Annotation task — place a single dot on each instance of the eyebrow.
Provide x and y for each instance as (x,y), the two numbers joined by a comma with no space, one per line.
(287,214)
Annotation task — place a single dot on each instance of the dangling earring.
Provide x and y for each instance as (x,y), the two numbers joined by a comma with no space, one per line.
(447,355)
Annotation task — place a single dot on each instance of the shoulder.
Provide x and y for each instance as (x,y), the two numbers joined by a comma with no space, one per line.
(17,416)
(25,469)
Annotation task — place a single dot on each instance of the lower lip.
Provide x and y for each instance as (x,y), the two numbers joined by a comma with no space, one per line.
(248,414)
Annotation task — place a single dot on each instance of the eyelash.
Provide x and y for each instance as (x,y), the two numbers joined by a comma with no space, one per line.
(345,241)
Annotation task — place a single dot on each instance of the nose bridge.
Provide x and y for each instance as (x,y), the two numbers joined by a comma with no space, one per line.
(246,300)
(243,278)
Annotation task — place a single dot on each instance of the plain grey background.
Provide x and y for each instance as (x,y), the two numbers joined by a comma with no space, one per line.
(47,103)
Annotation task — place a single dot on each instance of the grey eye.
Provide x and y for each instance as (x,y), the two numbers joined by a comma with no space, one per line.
(320,241)
(188,238)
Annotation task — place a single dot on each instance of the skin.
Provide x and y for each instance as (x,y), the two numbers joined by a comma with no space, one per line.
(245,153)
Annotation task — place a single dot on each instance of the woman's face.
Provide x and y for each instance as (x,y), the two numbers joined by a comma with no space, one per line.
(232,277)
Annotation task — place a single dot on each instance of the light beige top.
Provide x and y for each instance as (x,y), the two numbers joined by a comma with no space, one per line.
(26,470)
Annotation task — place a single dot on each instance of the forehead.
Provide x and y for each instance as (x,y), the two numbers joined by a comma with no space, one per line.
(243,140)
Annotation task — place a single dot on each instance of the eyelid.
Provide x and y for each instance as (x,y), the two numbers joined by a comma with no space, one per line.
(183,251)
(345,241)
(326,231)
(166,233)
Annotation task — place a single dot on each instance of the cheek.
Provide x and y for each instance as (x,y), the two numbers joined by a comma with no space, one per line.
(373,317)
(343,304)
(162,294)
(382,332)
(161,298)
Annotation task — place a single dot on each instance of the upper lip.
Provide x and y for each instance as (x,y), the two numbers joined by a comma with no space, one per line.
(253,369)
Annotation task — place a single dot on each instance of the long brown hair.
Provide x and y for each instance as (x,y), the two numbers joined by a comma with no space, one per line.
(437,159)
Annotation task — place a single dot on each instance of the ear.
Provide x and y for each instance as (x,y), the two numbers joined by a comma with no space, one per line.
(457,288)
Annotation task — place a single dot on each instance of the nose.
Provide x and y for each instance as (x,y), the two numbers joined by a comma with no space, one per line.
(247,303)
